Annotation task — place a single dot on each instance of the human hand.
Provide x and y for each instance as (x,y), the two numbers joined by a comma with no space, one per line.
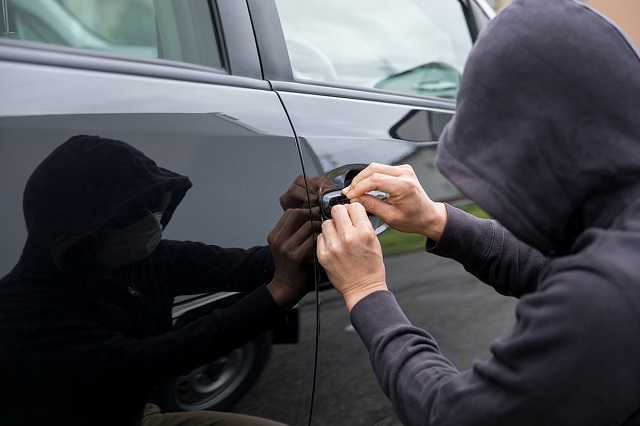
(291,244)
(296,195)
(408,208)
(350,253)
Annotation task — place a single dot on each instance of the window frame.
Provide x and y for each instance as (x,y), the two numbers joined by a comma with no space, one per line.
(236,43)
(277,68)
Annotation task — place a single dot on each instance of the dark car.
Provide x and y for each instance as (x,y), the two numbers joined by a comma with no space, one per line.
(242,96)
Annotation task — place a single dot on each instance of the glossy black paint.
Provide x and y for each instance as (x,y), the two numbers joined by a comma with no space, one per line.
(235,143)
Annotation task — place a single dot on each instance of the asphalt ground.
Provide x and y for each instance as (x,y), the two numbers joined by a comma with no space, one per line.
(437,294)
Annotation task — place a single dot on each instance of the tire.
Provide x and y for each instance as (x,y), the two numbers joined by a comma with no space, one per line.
(217,386)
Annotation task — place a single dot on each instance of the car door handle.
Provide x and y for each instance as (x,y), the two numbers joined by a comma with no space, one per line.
(335,197)
(330,199)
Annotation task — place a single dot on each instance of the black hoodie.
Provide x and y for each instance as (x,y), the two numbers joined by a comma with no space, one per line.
(546,138)
(82,345)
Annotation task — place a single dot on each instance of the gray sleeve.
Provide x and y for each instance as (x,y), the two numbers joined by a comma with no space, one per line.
(489,252)
(542,374)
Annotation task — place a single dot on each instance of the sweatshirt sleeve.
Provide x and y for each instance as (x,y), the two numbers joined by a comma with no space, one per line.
(489,252)
(58,343)
(564,363)
(192,267)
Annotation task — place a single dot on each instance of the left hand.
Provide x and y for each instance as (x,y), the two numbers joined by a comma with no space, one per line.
(350,253)
(291,244)
(408,208)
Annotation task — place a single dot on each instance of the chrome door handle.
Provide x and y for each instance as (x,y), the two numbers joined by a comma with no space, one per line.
(335,197)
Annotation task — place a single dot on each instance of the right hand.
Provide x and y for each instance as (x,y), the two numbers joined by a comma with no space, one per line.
(350,253)
(296,195)
(408,208)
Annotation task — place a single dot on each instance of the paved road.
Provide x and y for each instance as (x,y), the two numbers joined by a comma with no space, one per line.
(463,314)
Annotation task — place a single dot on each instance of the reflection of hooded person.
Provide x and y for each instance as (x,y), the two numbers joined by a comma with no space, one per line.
(85,316)
(546,138)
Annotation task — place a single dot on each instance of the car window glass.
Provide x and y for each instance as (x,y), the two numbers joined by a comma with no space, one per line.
(176,30)
(410,46)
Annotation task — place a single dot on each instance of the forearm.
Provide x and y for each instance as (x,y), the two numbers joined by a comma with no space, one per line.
(523,381)
(203,340)
(79,350)
(198,268)
(489,252)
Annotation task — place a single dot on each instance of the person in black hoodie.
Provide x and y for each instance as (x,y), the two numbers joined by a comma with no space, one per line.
(85,315)
(546,138)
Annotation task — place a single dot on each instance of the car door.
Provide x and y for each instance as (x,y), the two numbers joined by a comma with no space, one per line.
(182,82)
(366,81)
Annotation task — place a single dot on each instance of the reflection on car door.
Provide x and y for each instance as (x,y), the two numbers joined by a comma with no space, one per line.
(230,136)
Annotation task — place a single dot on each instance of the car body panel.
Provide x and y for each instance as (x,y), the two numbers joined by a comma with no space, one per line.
(386,133)
(235,143)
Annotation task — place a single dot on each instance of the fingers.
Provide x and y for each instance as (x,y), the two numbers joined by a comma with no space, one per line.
(375,168)
(322,249)
(378,168)
(358,216)
(382,178)
(348,222)
(329,239)
(329,232)
(315,214)
(341,220)
(295,197)
(292,220)
(297,228)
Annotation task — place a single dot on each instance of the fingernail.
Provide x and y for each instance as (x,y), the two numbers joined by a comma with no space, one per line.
(346,190)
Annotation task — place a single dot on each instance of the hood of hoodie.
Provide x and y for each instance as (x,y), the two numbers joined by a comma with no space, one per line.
(82,185)
(546,135)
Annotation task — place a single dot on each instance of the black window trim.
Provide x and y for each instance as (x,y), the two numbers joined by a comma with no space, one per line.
(468,9)
(236,38)
(469,18)
(272,48)
(337,90)
(67,57)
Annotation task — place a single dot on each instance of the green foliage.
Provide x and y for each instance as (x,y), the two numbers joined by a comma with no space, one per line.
(475,210)
(394,242)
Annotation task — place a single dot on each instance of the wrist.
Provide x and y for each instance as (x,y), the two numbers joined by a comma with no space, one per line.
(351,298)
(435,222)
(282,295)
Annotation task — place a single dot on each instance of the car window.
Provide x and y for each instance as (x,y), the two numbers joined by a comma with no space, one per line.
(176,30)
(409,46)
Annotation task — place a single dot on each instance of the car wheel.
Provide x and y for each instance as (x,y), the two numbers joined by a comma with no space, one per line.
(220,384)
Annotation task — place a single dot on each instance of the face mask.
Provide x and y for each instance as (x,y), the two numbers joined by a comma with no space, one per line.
(130,244)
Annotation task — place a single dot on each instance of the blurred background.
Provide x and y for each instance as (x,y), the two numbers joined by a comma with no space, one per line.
(625,13)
